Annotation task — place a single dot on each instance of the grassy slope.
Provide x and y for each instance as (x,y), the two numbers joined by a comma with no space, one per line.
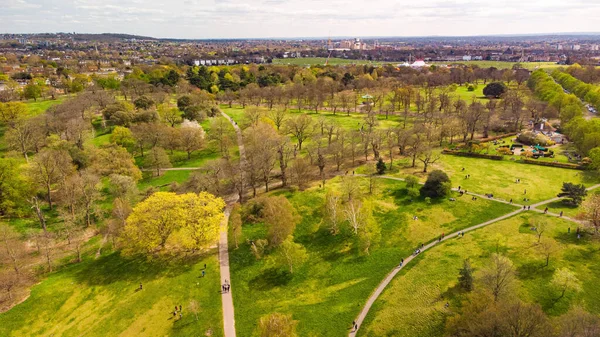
(99,298)
(327,292)
(413,304)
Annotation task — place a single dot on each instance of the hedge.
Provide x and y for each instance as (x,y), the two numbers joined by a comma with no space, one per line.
(551,164)
(491,139)
(472,154)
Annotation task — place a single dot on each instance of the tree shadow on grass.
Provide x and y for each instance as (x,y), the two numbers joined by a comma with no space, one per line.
(532,270)
(115,267)
(270,279)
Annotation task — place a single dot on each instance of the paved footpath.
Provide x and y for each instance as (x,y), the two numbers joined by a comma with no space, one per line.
(363,314)
(227,298)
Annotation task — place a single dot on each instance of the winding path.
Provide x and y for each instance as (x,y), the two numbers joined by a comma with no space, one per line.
(227,298)
(381,287)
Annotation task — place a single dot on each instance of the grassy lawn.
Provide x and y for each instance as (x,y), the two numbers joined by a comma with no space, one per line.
(164,180)
(310,61)
(99,298)
(327,292)
(413,304)
(505,64)
(36,108)
(498,177)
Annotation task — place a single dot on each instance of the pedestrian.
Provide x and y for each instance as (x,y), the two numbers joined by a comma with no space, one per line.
(222,288)
(180,307)
(463,168)
(466,177)
(561,214)
(529,207)
(569,230)
(353,325)
(511,201)
(524,206)
(203,273)
(459,187)
(525,191)
(546,210)
(175,308)
(140,286)
(228,287)
(352,172)
(205,266)
(174,313)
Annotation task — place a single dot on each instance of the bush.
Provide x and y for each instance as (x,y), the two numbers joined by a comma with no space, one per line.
(380,167)
(504,151)
(437,185)
(545,163)
(411,181)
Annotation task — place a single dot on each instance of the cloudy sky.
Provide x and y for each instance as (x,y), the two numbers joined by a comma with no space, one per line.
(299,18)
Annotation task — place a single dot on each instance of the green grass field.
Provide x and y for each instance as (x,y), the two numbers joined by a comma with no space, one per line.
(310,61)
(100,298)
(36,108)
(504,64)
(498,178)
(326,293)
(413,304)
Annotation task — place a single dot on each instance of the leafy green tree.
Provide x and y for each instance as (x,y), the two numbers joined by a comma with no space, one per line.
(465,279)
(573,193)
(122,136)
(290,254)
(437,185)
(564,280)
(495,89)
(280,217)
(380,166)
(13,188)
(411,181)
(143,103)
(186,222)
(32,91)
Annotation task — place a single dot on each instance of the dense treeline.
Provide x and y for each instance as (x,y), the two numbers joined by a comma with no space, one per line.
(587,92)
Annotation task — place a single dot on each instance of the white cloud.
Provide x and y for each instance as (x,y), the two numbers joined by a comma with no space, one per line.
(290,18)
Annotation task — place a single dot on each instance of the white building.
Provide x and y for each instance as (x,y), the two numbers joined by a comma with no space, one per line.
(466,58)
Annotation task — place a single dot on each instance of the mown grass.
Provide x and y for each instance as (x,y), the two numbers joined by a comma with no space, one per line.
(100,298)
(499,178)
(40,106)
(310,61)
(413,304)
(326,293)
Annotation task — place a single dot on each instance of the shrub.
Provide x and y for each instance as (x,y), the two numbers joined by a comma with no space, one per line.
(494,89)
(437,185)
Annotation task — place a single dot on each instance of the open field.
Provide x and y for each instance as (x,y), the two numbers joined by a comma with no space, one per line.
(99,298)
(413,304)
(309,61)
(498,177)
(326,293)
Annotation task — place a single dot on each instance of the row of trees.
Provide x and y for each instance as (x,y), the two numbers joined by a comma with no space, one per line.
(585,91)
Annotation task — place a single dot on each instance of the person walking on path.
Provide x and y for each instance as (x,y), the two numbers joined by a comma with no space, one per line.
(561,214)
(140,286)
(203,273)
(546,210)
(569,230)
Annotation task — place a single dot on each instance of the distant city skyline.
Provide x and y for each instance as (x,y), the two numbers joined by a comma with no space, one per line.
(207,19)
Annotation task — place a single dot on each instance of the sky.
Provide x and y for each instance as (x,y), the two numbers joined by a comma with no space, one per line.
(204,19)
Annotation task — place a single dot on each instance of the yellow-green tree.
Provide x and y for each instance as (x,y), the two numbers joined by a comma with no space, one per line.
(168,222)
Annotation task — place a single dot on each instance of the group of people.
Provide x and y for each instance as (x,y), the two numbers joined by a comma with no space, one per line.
(225,287)
(178,311)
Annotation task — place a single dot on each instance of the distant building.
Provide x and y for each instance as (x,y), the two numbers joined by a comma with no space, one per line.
(419,64)
(466,58)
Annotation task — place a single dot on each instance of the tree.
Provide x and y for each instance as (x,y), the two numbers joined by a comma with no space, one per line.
(277,325)
(540,226)
(465,280)
(572,193)
(185,222)
(498,276)
(578,323)
(32,91)
(546,248)
(13,250)
(411,181)
(113,159)
(122,136)
(380,166)
(428,157)
(495,89)
(169,115)
(591,211)
(12,188)
(333,211)
(48,168)
(291,254)
(192,139)
(158,160)
(564,280)
(300,127)
(437,185)
(280,217)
